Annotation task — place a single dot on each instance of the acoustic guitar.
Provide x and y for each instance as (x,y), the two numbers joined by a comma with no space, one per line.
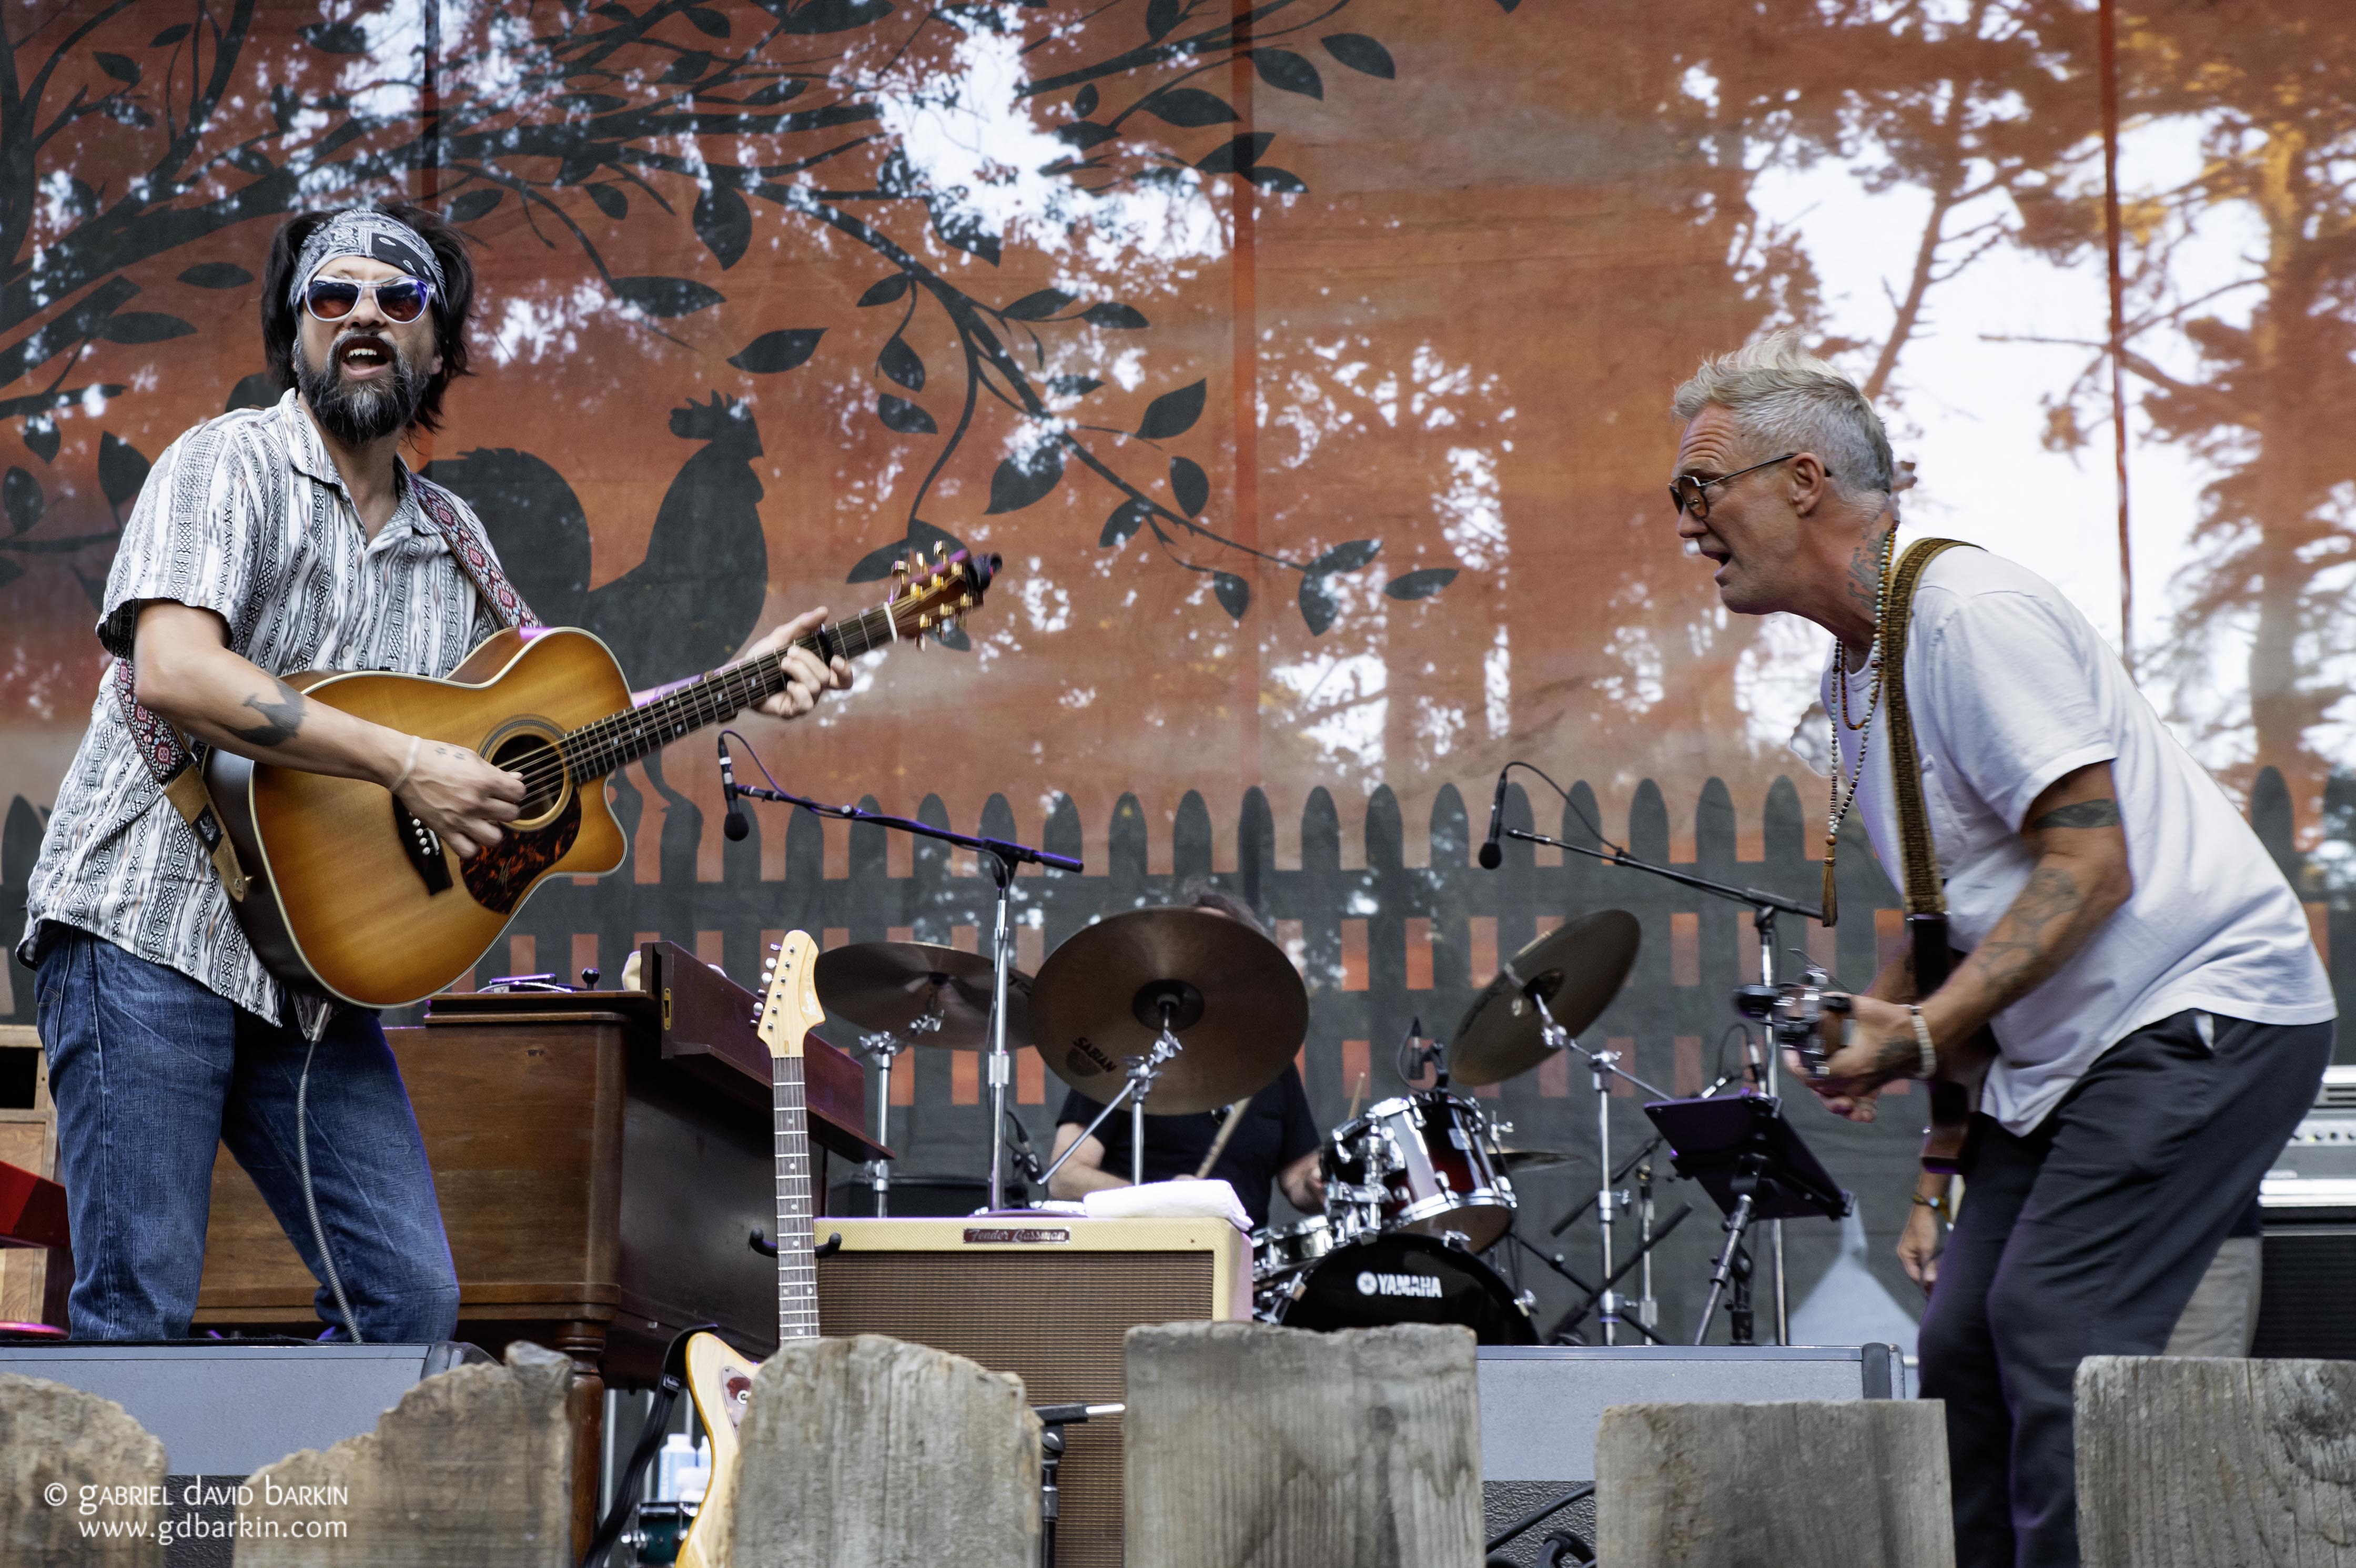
(719,1379)
(351,894)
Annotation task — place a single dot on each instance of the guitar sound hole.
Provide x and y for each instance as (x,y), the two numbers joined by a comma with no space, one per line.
(541,768)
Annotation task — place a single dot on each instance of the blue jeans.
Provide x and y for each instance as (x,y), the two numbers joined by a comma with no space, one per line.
(151,1073)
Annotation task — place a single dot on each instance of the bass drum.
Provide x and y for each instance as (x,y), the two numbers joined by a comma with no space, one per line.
(1402,1279)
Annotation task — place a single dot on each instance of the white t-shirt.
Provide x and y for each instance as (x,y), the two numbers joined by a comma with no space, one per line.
(2010,688)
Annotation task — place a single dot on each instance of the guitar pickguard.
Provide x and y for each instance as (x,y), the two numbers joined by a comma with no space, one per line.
(501,876)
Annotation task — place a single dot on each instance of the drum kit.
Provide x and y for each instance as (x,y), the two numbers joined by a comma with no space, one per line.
(1181,1010)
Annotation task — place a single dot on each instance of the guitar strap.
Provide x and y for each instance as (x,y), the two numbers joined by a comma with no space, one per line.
(176,763)
(1926,897)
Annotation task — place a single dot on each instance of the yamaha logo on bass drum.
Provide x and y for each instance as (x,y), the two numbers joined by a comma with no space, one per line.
(1373,1284)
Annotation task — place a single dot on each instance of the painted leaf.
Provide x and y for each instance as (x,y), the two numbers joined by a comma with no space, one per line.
(1232,592)
(252,160)
(902,364)
(898,414)
(1125,519)
(143,327)
(1361,53)
(1509,6)
(1189,106)
(256,391)
(1072,386)
(1237,155)
(1284,182)
(710,23)
(579,166)
(688,67)
(1114,314)
(9,572)
(41,437)
(1288,72)
(815,16)
(122,469)
(963,231)
(723,223)
(1022,481)
(169,36)
(215,275)
(1420,584)
(1084,101)
(1318,606)
(1173,413)
(591,103)
(1190,485)
(775,92)
(21,499)
(1347,557)
(473,205)
(1160,15)
(884,290)
(1084,133)
(610,201)
(877,563)
(124,69)
(1038,306)
(666,296)
(775,351)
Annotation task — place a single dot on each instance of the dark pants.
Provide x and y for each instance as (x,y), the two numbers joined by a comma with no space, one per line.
(2086,1237)
(151,1074)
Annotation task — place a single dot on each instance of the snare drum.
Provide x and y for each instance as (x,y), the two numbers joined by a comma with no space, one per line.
(1420,1163)
(1278,1251)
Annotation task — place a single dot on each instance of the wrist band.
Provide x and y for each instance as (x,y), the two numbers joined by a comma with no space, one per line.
(1922,1041)
(410,766)
(1934,1204)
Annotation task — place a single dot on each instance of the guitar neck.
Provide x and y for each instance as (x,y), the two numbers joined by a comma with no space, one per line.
(619,739)
(797,1266)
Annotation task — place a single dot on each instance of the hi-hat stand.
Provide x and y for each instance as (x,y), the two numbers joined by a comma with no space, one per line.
(1005,856)
(1764,907)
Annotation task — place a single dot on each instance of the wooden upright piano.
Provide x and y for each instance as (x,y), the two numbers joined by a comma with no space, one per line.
(601,1158)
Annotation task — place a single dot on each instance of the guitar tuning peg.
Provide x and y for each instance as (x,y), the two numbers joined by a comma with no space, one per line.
(967,602)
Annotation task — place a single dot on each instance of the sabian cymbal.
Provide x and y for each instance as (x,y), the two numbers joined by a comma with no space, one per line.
(1578,969)
(1240,1011)
(1521,1162)
(897,987)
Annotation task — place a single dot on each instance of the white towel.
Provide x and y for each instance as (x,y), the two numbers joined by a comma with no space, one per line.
(1186,1199)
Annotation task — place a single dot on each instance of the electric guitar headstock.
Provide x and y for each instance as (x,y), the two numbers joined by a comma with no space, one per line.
(789,1009)
(933,596)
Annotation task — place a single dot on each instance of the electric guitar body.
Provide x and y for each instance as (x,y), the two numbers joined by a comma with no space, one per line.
(351,896)
(718,1378)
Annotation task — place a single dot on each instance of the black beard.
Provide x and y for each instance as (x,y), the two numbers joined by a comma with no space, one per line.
(356,415)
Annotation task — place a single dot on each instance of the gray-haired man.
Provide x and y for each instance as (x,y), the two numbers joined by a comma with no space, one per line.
(2163,1017)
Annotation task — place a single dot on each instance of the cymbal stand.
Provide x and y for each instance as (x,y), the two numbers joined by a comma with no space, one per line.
(1005,856)
(1142,1071)
(1764,906)
(883,1045)
(1605,1066)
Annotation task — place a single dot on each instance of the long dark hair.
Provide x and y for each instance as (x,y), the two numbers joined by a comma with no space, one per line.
(453,302)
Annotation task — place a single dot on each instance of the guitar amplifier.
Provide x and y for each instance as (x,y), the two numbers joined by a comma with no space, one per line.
(1045,1297)
(2308,1256)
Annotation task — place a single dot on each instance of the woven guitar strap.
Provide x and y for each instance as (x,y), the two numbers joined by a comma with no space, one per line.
(1925,892)
(176,764)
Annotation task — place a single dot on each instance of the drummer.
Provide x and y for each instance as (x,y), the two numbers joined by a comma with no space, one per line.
(1276,1143)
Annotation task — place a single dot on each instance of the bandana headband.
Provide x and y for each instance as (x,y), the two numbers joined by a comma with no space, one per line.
(364,231)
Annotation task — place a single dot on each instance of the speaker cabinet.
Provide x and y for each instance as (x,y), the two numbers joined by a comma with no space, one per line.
(1047,1297)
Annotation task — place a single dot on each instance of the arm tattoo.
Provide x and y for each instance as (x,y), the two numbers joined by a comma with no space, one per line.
(2102,814)
(281,719)
(2018,960)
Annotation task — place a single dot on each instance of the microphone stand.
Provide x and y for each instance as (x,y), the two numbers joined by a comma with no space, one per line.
(1005,856)
(1764,906)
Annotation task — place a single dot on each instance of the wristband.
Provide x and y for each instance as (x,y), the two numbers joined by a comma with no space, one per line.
(407,768)
(1936,1205)
(1922,1041)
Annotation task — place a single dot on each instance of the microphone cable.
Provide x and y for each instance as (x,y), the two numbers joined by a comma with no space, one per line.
(311,1198)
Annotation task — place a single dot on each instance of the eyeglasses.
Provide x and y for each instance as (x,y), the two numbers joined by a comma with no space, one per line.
(1687,493)
(399,299)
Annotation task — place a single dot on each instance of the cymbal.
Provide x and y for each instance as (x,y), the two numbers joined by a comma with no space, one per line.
(1576,969)
(895,986)
(1521,1162)
(1240,1009)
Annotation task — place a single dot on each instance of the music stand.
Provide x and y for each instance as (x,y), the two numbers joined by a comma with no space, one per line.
(1748,1158)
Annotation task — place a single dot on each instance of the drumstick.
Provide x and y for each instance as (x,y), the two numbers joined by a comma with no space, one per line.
(1356,1094)
(1219,1144)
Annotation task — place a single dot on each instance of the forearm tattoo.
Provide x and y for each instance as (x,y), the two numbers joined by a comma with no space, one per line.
(2024,948)
(282,720)
(2102,814)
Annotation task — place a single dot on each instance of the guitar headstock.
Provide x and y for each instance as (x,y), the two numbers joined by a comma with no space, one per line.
(931,595)
(789,1009)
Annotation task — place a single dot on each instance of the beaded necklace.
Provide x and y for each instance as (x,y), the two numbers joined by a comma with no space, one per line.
(1842,799)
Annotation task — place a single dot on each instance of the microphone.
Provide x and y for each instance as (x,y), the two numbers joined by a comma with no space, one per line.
(739,826)
(1490,853)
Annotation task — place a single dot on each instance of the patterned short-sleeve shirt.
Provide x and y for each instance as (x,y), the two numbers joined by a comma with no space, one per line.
(245,516)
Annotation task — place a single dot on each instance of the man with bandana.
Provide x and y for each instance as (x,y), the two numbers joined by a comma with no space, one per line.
(266,541)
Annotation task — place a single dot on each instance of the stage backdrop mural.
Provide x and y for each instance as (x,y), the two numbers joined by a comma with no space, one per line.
(1306,360)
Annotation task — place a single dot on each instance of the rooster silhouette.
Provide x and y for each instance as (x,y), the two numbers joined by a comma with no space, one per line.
(698,594)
